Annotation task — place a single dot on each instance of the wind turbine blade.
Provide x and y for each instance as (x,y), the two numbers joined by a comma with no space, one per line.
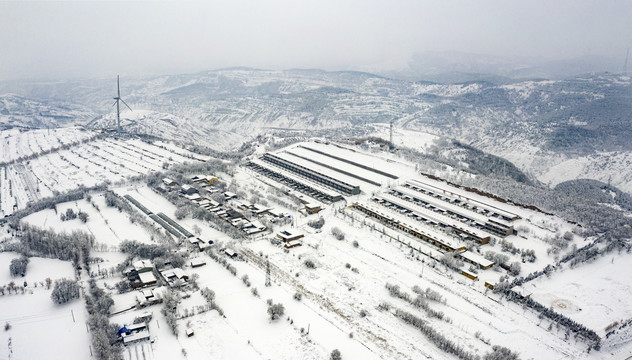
(118,88)
(114,104)
(126,105)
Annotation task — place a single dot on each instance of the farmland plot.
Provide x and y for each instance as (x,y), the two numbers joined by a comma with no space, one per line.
(86,164)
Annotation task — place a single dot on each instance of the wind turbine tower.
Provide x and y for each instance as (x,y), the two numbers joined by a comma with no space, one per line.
(391,137)
(118,99)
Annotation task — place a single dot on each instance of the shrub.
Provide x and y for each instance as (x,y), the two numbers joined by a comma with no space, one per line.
(276,310)
(298,296)
(18,266)
(317,224)
(64,291)
(83,217)
(337,233)
(310,264)
(335,355)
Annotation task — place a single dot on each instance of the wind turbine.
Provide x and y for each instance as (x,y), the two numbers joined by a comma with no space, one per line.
(118,109)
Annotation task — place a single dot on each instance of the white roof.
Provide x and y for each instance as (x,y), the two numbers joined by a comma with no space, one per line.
(462,194)
(147,277)
(337,176)
(298,179)
(198,261)
(177,272)
(356,170)
(289,233)
(142,335)
(138,326)
(476,258)
(142,264)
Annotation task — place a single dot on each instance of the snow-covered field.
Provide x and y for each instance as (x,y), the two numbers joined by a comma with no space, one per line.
(16,143)
(40,329)
(342,294)
(86,164)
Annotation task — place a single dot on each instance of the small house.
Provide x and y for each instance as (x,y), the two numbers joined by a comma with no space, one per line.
(169,182)
(229,195)
(312,208)
(188,189)
(469,274)
(287,235)
(233,215)
(203,245)
(292,243)
(231,253)
(147,278)
(197,262)
(142,266)
(189,332)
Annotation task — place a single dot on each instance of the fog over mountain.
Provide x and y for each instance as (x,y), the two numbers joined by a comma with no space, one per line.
(61,40)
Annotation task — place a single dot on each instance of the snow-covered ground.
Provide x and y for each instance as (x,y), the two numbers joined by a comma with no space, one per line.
(342,292)
(40,329)
(86,164)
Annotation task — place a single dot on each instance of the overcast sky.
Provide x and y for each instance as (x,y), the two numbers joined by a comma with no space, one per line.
(56,40)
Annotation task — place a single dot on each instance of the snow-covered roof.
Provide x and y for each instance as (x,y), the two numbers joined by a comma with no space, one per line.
(476,258)
(199,261)
(433,216)
(344,180)
(461,194)
(147,277)
(142,335)
(142,264)
(296,178)
(177,272)
(402,219)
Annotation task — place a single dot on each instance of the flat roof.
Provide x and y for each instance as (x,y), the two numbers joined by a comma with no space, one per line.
(367,160)
(198,261)
(366,174)
(342,179)
(147,277)
(316,186)
(142,335)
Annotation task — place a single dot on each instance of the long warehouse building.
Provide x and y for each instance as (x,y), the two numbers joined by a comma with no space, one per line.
(438,239)
(313,175)
(429,217)
(436,202)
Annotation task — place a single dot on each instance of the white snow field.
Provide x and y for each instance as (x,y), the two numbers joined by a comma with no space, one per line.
(342,283)
(40,329)
(91,161)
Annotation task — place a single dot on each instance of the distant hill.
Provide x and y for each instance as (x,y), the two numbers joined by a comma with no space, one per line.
(537,124)
(18,111)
